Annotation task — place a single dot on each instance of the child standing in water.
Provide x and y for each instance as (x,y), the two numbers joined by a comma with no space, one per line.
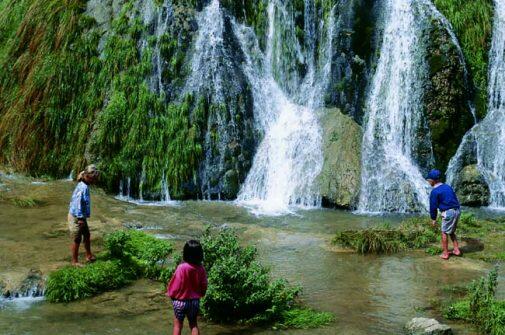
(79,212)
(187,286)
(443,198)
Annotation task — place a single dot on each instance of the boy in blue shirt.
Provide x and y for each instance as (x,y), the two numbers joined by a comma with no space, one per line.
(443,198)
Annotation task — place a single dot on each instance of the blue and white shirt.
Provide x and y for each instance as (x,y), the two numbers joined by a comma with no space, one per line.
(80,205)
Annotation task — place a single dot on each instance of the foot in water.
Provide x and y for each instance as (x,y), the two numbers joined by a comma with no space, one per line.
(456,252)
(445,256)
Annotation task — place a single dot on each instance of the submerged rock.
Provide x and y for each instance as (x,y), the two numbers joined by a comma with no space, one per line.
(340,177)
(425,326)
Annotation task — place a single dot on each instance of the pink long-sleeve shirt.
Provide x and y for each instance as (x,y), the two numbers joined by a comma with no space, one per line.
(188,282)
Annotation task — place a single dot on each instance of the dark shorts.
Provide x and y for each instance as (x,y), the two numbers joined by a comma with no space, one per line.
(77,231)
(187,308)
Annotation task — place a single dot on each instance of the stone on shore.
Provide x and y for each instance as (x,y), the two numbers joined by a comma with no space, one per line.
(425,326)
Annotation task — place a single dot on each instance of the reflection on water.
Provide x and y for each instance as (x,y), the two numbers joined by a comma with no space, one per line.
(367,294)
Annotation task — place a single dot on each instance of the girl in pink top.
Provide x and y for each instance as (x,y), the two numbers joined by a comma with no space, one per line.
(187,286)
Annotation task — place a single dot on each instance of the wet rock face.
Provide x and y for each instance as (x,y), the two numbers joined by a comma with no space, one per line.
(18,285)
(425,326)
(446,96)
(471,188)
(354,46)
(230,138)
(341,174)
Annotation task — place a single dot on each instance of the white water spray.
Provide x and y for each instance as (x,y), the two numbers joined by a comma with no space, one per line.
(391,180)
(289,158)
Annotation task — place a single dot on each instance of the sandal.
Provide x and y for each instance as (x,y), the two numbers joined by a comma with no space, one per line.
(91,259)
(460,254)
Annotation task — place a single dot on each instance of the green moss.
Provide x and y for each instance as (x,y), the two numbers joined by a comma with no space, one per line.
(475,39)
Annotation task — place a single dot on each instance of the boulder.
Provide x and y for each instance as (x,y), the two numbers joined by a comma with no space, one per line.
(340,178)
(471,187)
(425,326)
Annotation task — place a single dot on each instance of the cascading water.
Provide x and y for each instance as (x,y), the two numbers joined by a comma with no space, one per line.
(490,133)
(391,180)
(289,158)
(484,144)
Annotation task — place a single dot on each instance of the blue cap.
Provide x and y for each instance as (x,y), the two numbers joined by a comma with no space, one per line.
(434,175)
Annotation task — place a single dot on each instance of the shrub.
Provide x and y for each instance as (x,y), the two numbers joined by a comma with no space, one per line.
(72,283)
(148,252)
(481,307)
(412,233)
(237,280)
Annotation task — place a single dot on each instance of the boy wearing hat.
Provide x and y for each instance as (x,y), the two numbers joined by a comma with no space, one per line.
(444,199)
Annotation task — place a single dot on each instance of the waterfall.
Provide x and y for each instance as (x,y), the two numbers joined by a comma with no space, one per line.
(289,157)
(485,142)
(490,133)
(391,180)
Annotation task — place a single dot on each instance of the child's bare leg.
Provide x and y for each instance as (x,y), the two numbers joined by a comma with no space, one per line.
(194,328)
(455,243)
(87,246)
(445,246)
(75,252)
(177,326)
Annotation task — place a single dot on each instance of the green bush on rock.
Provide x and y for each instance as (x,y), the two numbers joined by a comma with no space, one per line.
(72,283)
(145,250)
(237,280)
(130,255)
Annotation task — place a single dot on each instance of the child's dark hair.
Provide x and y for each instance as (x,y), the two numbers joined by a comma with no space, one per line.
(193,252)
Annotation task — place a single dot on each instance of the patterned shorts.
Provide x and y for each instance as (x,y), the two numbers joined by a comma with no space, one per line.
(76,230)
(450,220)
(187,308)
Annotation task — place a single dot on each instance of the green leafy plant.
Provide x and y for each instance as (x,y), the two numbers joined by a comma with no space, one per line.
(480,306)
(237,280)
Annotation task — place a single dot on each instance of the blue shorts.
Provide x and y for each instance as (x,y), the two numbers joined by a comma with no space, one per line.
(450,220)
(189,308)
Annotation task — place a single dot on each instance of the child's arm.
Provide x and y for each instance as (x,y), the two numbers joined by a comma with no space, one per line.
(174,285)
(203,282)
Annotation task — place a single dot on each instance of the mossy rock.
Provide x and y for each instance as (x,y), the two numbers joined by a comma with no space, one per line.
(446,99)
(471,188)
(340,177)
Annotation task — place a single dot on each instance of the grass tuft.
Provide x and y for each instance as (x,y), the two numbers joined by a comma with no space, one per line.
(412,234)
